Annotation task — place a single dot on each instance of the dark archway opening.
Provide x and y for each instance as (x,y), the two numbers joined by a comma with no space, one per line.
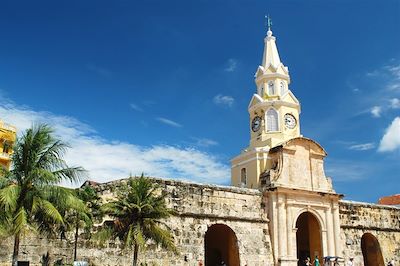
(371,250)
(221,245)
(308,238)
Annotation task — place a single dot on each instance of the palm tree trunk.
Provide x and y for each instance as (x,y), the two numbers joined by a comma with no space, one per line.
(16,250)
(76,239)
(135,254)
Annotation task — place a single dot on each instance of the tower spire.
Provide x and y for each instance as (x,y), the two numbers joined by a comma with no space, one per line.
(271,55)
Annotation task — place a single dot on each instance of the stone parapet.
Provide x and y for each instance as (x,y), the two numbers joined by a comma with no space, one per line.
(381,222)
(197,206)
(369,216)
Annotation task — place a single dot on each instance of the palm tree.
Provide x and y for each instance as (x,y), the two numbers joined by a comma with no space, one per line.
(30,197)
(85,218)
(137,215)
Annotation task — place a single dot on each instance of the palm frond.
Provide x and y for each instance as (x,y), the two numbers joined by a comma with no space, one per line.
(101,237)
(50,211)
(20,221)
(72,174)
(160,235)
(9,197)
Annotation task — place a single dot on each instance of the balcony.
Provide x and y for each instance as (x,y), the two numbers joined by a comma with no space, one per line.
(8,127)
(4,155)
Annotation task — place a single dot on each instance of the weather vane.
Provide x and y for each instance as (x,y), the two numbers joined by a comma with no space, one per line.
(269,22)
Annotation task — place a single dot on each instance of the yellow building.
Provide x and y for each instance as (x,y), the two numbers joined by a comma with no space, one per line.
(274,117)
(7,139)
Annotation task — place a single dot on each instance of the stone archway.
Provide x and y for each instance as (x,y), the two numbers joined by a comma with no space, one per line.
(371,250)
(220,244)
(308,237)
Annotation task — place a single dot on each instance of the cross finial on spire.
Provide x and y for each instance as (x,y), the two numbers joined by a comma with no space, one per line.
(269,22)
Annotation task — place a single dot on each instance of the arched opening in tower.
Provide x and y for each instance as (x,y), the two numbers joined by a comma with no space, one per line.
(221,246)
(371,250)
(308,238)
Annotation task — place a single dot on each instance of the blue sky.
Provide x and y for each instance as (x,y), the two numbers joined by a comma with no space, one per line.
(162,87)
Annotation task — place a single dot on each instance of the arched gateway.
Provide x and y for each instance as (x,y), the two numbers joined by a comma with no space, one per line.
(308,237)
(371,250)
(221,245)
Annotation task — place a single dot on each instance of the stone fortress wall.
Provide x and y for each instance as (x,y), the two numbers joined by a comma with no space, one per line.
(198,208)
(365,222)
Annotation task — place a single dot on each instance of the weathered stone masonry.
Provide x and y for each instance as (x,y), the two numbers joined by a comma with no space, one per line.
(198,207)
(359,218)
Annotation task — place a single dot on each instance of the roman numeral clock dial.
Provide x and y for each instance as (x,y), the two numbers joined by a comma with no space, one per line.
(256,124)
(290,121)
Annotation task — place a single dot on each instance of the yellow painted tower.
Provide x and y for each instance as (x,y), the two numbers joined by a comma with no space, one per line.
(274,117)
(7,139)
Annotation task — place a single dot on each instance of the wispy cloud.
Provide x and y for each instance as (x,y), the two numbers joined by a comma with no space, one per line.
(395,70)
(378,88)
(391,139)
(168,122)
(376,111)
(393,87)
(231,65)
(204,142)
(347,170)
(362,147)
(394,103)
(99,70)
(108,160)
(224,100)
(136,107)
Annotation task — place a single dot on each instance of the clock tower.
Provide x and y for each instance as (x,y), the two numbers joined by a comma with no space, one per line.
(273,117)
(299,199)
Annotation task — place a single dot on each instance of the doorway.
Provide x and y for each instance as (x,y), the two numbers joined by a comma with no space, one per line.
(371,250)
(308,238)
(221,245)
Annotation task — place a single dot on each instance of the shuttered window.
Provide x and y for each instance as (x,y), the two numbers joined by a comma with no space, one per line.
(243,176)
(272,120)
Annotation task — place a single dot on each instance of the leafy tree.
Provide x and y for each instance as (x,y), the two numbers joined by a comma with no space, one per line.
(30,197)
(137,215)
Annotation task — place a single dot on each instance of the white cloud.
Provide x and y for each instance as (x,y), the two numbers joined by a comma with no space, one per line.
(395,103)
(376,111)
(391,140)
(373,73)
(231,65)
(168,122)
(223,100)
(136,107)
(393,87)
(203,142)
(395,70)
(346,170)
(362,147)
(110,160)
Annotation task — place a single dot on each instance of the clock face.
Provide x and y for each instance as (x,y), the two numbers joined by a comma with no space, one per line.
(256,123)
(290,121)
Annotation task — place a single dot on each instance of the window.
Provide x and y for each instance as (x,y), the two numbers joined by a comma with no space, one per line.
(243,177)
(6,146)
(271,89)
(282,85)
(272,120)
